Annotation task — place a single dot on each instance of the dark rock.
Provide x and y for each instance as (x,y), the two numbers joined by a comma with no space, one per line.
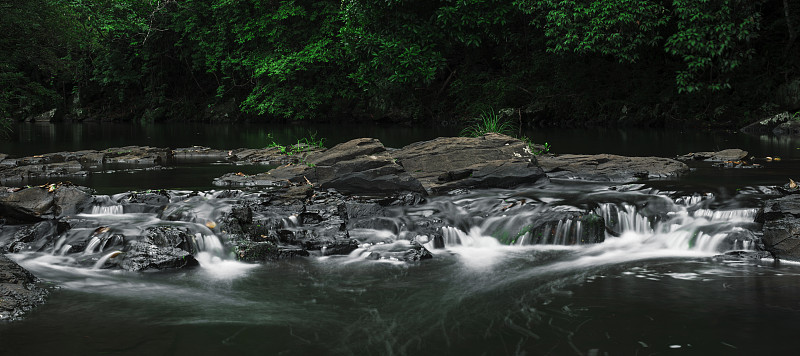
(400,251)
(21,173)
(142,256)
(448,163)
(169,236)
(144,202)
(265,156)
(768,124)
(781,227)
(37,203)
(19,290)
(613,168)
(255,180)
(731,154)
(198,154)
(357,166)
(251,251)
(743,255)
(789,128)
(31,238)
(138,156)
(347,151)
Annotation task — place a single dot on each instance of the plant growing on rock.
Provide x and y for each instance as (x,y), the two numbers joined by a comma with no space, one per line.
(488,122)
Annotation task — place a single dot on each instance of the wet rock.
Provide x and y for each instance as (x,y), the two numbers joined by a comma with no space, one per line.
(252,251)
(37,203)
(347,151)
(196,154)
(142,256)
(144,202)
(448,163)
(743,255)
(357,166)
(22,173)
(610,168)
(789,128)
(399,251)
(138,156)
(169,236)
(781,227)
(731,154)
(31,238)
(272,156)
(255,180)
(20,291)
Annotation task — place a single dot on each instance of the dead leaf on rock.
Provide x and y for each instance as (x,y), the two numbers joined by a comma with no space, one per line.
(211,224)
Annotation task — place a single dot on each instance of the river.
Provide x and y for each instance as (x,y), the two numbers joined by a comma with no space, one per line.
(657,284)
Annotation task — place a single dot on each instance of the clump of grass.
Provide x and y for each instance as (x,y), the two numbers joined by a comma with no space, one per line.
(304,144)
(488,122)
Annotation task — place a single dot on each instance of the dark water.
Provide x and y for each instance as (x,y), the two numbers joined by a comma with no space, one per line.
(657,289)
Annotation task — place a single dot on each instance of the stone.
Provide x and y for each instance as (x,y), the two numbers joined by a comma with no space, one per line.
(142,256)
(196,154)
(45,202)
(731,154)
(781,227)
(20,291)
(138,156)
(789,128)
(610,168)
(448,163)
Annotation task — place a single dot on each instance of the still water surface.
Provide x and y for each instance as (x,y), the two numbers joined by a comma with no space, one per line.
(656,289)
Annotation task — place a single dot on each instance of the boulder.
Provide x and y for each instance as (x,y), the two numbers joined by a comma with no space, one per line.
(789,128)
(448,163)
(18,174)
(357,166)
(781,227)
(196,154)
(45,202)
(20,290)
(139,156)
(610,168)
(731,154)
(142,256)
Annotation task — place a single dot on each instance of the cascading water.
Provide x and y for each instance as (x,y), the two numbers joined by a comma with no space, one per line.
(650,221)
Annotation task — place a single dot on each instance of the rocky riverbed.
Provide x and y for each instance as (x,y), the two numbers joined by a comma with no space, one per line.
(314,203)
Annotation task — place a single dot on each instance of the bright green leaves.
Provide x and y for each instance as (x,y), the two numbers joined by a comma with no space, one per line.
(713,39)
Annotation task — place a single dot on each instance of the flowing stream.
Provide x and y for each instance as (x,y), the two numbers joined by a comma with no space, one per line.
(502,283)
(564,268)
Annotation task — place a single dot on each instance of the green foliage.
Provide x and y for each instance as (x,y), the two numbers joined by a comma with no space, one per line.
(488,122)
(405,59)
(617,28)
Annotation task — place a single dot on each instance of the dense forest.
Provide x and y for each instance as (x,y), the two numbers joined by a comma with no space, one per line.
(545,62)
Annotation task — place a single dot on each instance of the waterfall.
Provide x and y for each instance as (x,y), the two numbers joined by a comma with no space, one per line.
(107,209)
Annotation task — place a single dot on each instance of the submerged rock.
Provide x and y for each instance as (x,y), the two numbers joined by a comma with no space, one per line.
(610,168)
(20,290)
